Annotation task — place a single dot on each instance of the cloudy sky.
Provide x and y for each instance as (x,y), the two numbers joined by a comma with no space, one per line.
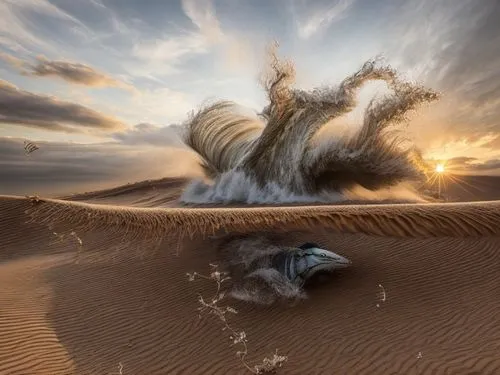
(116,73)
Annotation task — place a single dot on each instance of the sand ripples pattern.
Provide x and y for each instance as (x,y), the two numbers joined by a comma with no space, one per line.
(404,220)
(122,301)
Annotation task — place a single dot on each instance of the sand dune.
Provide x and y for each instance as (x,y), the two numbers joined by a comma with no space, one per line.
(121,303)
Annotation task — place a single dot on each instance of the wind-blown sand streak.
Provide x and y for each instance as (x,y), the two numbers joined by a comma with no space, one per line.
(122,303)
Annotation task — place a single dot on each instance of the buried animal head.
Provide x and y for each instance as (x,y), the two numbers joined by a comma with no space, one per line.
(311,259)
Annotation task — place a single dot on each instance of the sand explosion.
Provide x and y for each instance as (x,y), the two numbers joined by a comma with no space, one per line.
(273,158)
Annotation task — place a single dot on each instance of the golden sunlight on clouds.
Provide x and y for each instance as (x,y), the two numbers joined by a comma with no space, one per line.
(479,148)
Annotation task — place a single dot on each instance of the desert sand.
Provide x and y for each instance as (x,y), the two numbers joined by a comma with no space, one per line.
(114,298)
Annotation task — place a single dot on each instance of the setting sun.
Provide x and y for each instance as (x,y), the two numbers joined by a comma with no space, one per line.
(440,168)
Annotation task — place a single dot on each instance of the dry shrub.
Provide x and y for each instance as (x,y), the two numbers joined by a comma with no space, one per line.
(212,306)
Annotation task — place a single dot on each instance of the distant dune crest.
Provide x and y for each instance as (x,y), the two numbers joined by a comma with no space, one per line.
(273,158)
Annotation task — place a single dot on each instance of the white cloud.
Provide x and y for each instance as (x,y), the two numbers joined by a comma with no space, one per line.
(162,56)
(162,105)
(321,19)
(202,14)
(477,147)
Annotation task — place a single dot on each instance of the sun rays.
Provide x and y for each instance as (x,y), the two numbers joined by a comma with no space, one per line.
(442,176)
(438,178)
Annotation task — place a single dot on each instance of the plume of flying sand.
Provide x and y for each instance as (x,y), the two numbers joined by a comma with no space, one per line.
(221,136)
(248,259)
(275,159)
(400,193)
(265,286)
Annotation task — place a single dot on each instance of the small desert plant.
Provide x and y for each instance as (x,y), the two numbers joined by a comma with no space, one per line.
(268,365)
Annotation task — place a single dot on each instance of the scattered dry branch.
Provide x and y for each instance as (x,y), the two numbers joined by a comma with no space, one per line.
(268,365)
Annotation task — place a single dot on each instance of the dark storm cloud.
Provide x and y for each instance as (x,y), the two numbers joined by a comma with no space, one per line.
(489,165)
(473,165)
(72,72)
(460,160)
(56,165)
(77,73)
(24,108)
(63,168)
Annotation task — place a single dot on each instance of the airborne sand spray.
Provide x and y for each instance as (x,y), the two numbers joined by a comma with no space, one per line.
(273,159)
(248,259)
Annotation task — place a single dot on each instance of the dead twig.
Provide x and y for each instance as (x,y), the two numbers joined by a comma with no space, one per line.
(268,365)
